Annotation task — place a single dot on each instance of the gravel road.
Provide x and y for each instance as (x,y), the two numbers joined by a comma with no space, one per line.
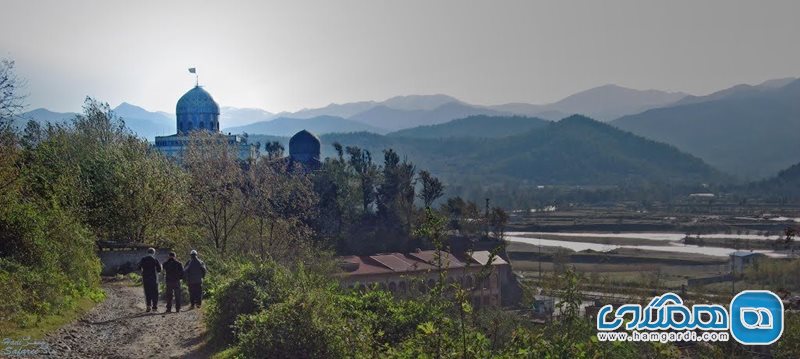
(119,327)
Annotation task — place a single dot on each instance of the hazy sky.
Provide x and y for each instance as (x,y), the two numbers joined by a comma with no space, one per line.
(293,54)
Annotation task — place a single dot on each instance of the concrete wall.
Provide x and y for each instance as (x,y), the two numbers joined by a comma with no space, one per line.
(693,282)
(125,261)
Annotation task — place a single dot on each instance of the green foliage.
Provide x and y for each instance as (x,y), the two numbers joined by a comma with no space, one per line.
(390,319)
(256,288)
(279,312)
(308,324)
(361,201)
(788,346)
(66,186)
(47,263)
(775,273)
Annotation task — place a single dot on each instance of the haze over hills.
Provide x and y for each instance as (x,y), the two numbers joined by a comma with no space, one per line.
(576,150)
(746,130)
(785,184)
(741,90)
(480,126)
(749,131)
(233,116)
(144,123)
(285,126)
(42,116)
(401,112)
(339,110)
(609,102)
(395,119)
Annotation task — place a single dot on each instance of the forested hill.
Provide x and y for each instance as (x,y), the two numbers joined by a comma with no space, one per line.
(785,184)
(575,151)
(747,131)
(579,150)
(480,126)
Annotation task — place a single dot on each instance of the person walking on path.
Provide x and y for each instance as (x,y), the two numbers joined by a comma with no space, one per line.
(195,271)
(173,273)
(150,267)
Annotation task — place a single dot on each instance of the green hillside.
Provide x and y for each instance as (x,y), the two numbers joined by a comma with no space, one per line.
(573,151)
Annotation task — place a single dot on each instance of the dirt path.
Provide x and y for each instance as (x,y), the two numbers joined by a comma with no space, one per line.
(119,327)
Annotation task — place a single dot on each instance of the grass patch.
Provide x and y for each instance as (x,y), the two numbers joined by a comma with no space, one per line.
(229,353)
(46,324)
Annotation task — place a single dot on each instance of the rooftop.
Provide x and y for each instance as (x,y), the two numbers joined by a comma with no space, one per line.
(745,254)
(412,262)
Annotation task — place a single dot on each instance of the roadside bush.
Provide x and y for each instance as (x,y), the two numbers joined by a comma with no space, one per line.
(54,266)
(789,345)
(390,320)
(775,273)
(307,325)
(256,288)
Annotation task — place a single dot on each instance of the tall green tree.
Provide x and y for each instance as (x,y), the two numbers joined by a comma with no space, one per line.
(367,172)
(396,193)
(432,188)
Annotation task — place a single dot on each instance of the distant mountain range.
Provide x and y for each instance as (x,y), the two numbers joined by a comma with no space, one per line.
(576,150)
(144,123)
(399,112)
(480,126)
(285,126)
(397,119)
(785,184)
(403,112)
(748,131)
(232,116)
(42,116)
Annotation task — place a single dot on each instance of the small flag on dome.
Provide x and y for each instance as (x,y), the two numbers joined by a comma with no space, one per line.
(192,70)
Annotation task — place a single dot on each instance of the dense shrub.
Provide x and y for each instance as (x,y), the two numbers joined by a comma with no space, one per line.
(390,320)
(775,273)
(307,325)
(789,344)
(256,288)
(62,187)
(48,263)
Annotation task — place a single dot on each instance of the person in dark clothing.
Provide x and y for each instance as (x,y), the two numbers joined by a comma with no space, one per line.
(195,271)
(150,268)
(173,273)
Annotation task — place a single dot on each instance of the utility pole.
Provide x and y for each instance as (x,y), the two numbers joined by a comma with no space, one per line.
(486,219)
(540,260)
(733,275)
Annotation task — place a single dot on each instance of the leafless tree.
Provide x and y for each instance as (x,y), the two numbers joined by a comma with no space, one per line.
(216,186)
(283,203)
(11,100)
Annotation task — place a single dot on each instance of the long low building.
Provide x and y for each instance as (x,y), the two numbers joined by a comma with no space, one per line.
(407,274)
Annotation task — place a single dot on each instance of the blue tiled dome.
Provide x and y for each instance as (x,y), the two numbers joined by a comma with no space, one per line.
(197,110)
(304,146)
(197,100)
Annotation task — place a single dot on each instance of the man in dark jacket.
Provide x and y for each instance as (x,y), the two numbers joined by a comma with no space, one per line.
(173,273)
(150,268)
(195,271)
